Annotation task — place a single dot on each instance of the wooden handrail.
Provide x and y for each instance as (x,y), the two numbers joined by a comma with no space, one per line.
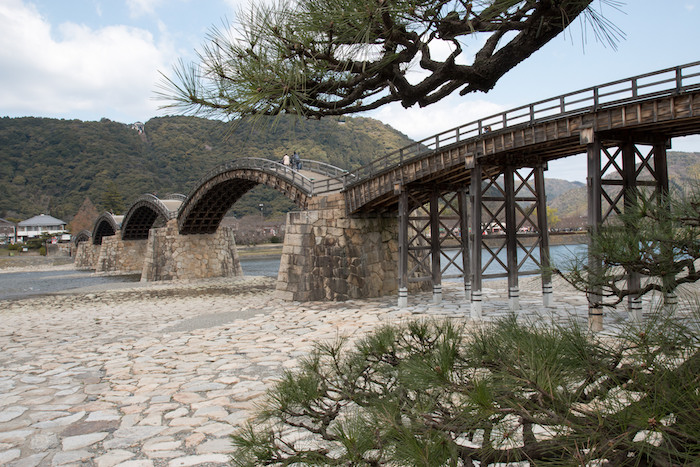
(658,83)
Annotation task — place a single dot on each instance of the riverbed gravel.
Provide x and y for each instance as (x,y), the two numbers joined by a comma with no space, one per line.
(161,374)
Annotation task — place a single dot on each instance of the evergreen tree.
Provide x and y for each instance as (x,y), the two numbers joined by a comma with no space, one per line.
(439,394)
(657,238)
(112,199)
(332,57)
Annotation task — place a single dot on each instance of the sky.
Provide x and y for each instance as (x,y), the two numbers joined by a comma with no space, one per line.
(93,59)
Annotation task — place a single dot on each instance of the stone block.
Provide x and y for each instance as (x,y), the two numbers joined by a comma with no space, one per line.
(352,258)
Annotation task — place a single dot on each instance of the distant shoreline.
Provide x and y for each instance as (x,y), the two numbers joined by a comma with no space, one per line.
(261,251)
(265,250)
(272,250)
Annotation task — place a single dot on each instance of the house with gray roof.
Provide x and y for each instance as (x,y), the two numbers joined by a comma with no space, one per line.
(38,225)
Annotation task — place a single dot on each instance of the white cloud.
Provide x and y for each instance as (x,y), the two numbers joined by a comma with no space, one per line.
(74,71)
(138,8)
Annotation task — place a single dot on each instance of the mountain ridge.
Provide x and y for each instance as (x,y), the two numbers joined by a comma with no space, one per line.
(51,166)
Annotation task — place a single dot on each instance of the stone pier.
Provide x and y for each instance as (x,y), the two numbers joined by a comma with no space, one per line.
(328,256)
(86,255)
(119,256)
(170,256)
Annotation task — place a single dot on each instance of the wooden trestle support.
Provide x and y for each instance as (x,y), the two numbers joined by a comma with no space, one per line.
(620,167)
(430,233)
(436,233)
(512,202)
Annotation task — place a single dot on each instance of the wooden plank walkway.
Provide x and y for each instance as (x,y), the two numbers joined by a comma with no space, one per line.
(447,159)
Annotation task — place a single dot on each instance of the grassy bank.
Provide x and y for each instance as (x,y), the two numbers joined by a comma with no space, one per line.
(259,251)
(30,259)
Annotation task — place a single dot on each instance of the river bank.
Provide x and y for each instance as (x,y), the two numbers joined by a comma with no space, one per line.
(260,251)
(160,374)
(30,261)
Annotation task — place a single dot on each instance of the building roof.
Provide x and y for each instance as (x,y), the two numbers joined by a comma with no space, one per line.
(41,221)
(6,222)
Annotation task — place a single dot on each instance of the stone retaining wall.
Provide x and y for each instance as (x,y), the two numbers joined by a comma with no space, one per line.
(86,255)
(121,256)
(328,256)
(170,255)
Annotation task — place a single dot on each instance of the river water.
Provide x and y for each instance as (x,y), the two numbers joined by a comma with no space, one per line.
(560,255)
(16,285)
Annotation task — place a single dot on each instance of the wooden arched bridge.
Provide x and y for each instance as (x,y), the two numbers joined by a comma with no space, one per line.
(408,215)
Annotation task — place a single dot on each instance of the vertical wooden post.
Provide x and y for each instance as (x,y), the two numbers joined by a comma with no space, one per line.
(464,230)
(543,227)
(661,169)
(435,246)
(403,248)
(476,193)
(661,166)
(595,215)
(629,187)
(511,239)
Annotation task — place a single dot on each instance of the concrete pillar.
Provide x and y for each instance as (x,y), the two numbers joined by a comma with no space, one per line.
(635,309)
(328,256)
(670,301)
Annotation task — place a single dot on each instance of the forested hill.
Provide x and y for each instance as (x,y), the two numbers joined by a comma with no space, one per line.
(50,166)
(683,174)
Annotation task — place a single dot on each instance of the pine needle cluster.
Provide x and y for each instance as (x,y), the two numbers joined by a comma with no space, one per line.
(654,237)
(441,394)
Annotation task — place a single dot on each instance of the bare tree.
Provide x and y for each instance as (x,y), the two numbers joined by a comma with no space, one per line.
(332,57)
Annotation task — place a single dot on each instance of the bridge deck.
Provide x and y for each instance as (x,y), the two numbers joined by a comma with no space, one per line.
(665,102)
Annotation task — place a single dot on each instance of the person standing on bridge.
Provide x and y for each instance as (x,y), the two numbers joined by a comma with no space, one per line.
(285,160)
(296,161)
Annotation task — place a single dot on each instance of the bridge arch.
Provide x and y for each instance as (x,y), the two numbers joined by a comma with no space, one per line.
(146,212)
(106,225)
(219,189)
(82,236)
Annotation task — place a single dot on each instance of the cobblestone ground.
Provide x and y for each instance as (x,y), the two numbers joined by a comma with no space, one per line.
(162,375)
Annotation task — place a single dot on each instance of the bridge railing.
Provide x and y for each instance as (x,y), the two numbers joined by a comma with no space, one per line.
(152,199)
(334,178)
(659,83)
(173,197)
(264,165)
(322,168)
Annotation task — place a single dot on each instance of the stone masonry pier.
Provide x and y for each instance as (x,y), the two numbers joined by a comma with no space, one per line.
(121,256)
(86,255)
(170,255)
(329,256)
